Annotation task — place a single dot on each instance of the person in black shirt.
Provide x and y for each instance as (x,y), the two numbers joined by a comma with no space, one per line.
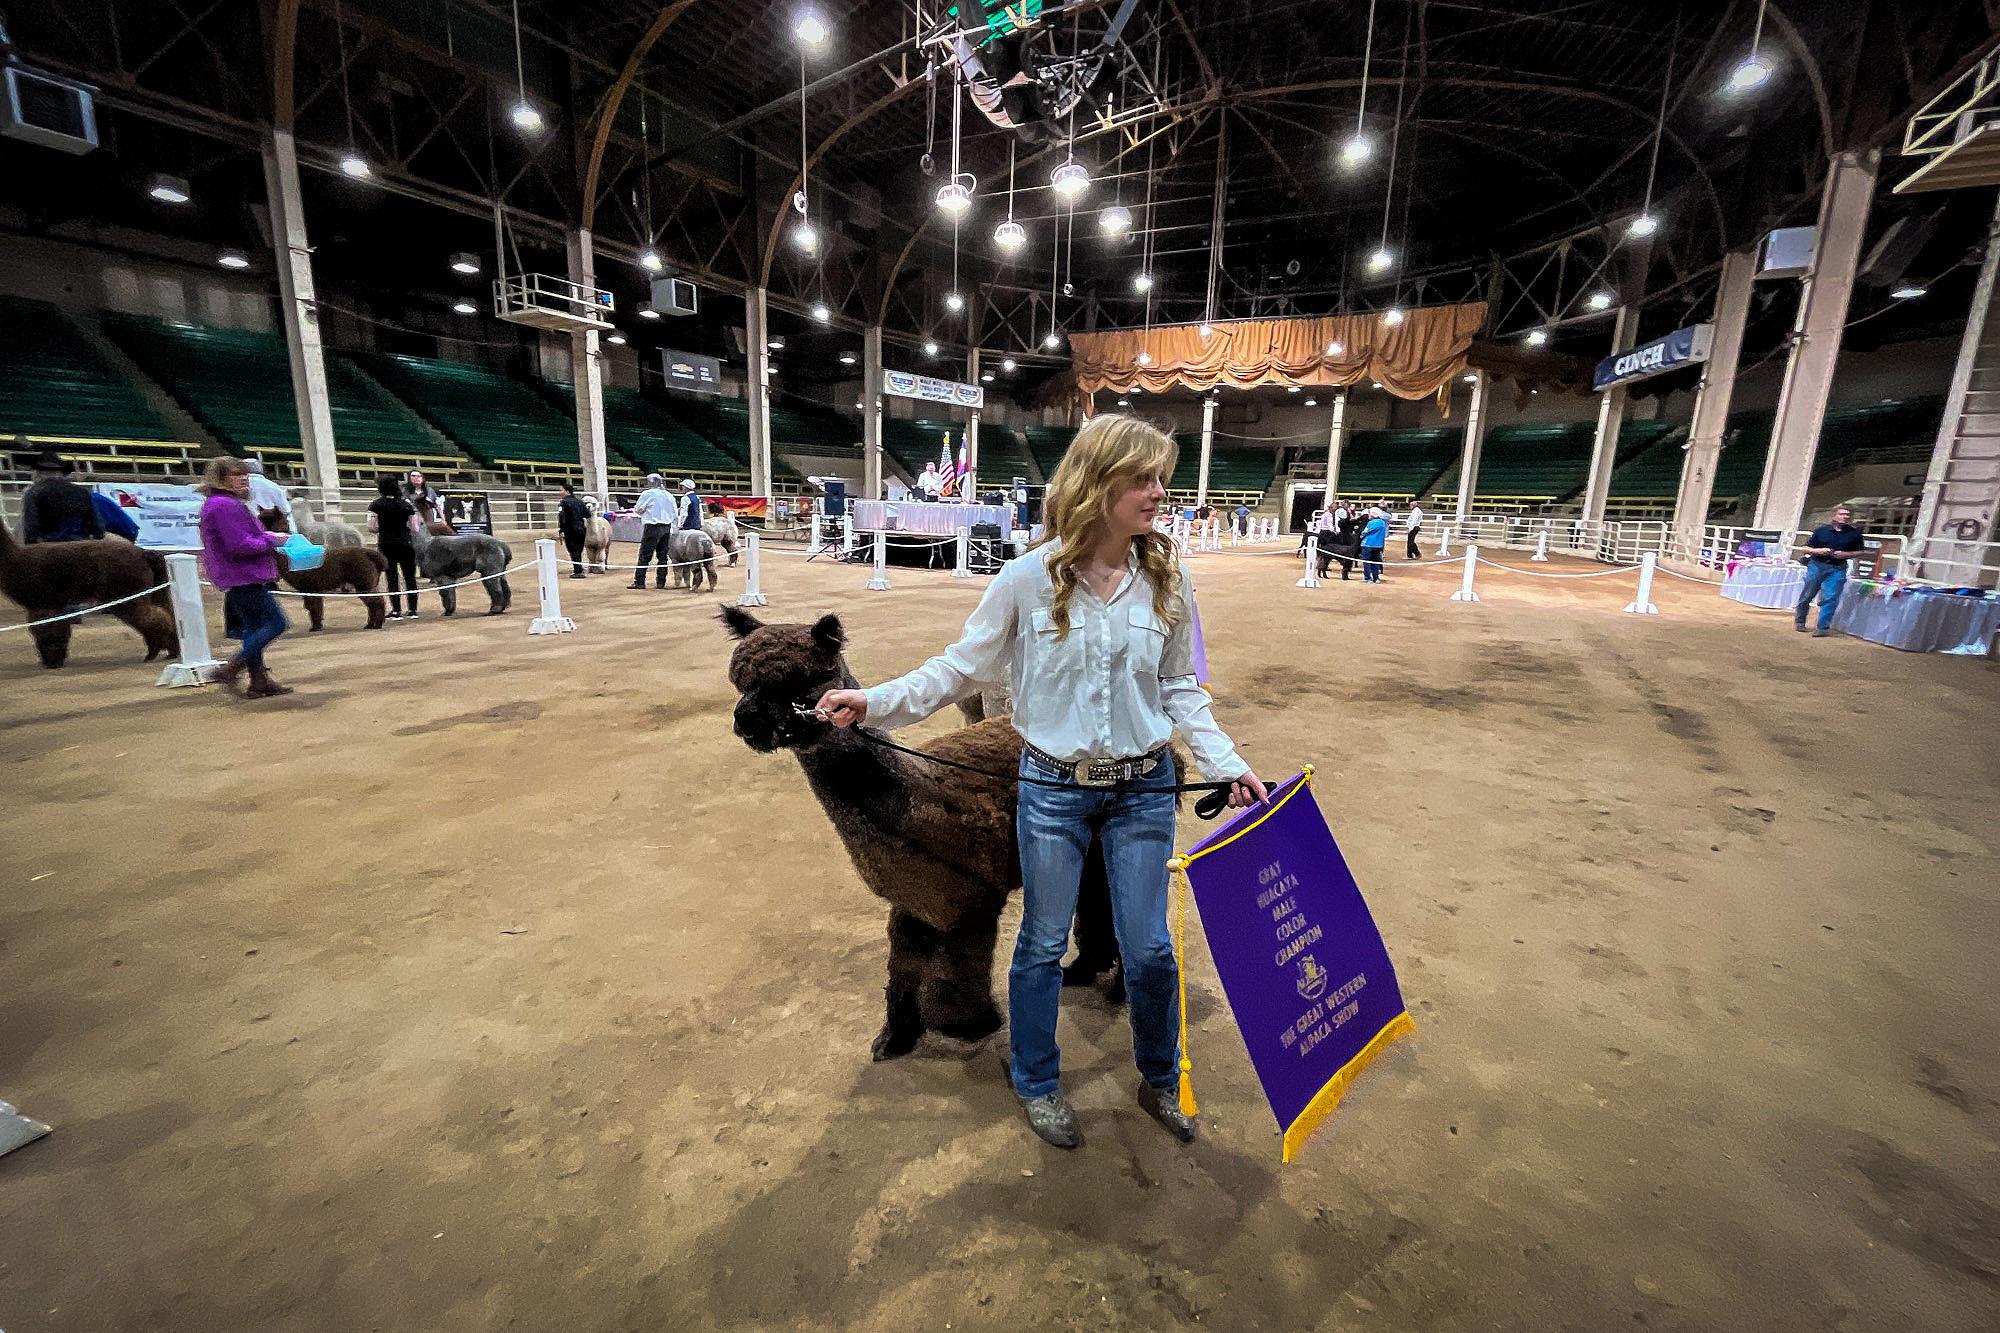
(573,522)
(56,509)
(389,519)
(1828,550)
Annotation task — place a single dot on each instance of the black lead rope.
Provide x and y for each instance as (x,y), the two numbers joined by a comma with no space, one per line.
(1208,807)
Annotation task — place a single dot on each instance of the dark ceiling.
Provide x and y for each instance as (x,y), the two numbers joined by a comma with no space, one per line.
(1513,126)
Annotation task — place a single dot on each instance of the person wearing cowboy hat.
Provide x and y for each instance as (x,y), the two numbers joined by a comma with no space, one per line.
(56,509)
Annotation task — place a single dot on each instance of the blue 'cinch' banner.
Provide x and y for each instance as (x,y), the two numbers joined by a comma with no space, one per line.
(1308,978)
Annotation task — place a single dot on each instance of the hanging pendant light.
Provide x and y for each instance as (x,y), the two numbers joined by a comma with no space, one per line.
(954,302)
(526,118)
(1010,235)
(1381,260)
(1756,68)
(1070,179)
(1393,316)
(1115,220)
(1357,147)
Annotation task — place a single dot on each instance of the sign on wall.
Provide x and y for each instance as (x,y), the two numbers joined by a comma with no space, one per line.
(691,371)
(1682,347)
(468,511)
(903,384)
(169,517)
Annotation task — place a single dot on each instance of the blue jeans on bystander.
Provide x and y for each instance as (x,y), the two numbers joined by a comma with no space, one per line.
(1826,579)
(1135,824)
(256,611)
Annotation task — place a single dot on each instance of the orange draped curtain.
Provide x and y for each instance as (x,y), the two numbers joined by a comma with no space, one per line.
(1413,359)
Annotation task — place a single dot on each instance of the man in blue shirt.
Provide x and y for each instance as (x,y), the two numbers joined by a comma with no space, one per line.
(1828,550)
(1373,538)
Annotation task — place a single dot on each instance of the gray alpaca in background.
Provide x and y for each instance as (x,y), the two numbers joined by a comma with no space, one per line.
(445,560)
(690,551)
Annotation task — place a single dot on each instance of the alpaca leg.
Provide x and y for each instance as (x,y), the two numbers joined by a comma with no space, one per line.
(316,613)
(52,639)
(447,596)
(153,625)
(496,594)
(910,945)
(378,610)
(957,998)
(711,575)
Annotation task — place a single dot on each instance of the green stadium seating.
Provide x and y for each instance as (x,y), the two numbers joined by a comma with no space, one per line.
(1535,463)
(1396,464)
(238,384)
(1907,427)
(494,419)
(914,442)
(1003,456)
(643,433)
(55,384)
(1651,469)
(1046,444)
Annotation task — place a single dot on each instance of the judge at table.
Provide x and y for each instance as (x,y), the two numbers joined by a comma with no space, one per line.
(929,483)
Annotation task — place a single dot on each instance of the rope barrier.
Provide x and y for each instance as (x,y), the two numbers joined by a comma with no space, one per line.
(1691,578)
(1537,574)
(101,606)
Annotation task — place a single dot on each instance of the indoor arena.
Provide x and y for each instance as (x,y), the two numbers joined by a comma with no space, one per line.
(1120,664)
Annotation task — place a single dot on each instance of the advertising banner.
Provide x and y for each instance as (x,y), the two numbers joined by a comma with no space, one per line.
(1307,976)
(169,517)
(903,384)
(1680,348)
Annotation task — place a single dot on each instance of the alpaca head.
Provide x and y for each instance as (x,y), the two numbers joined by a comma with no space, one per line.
(273,520)
(777,668)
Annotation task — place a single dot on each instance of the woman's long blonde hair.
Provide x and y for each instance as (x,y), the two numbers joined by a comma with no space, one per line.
(1111,454)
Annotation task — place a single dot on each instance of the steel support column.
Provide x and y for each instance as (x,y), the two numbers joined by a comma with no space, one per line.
(872,408)
(1711,398)
(1207,449)
(587,378)
(971,429)
(299,309)
(1808,382)
(757,389)
(1610,420)
(1336,439)
(1475,440)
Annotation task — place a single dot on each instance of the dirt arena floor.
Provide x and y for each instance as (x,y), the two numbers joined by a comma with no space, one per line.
(488,982)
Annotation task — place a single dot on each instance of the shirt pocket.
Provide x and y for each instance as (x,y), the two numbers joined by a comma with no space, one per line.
(1050,653)
(1145,639)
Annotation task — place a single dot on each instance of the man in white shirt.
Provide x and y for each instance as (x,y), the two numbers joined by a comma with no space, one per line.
(928,482)
(657,511)
(268,494)
(1411,525)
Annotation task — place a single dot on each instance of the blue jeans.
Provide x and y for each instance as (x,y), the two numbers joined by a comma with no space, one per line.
(1825,579)
(1371,564)
(256,612)
(1135,824)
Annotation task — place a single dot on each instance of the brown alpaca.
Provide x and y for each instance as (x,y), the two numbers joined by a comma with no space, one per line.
(937,843)
(49,578)
(358,569)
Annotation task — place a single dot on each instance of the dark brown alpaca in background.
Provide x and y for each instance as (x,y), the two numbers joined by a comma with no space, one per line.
(49,578)
(937,843)
(357,569)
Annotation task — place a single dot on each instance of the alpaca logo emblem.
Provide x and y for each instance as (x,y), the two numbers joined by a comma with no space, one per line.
(1312,978)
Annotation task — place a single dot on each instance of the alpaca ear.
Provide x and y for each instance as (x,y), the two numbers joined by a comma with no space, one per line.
(828,634)
(738,621)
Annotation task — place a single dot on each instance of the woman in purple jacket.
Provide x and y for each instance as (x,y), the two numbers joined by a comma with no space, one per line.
(237,553)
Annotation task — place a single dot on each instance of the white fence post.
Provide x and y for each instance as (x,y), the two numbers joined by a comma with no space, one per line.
(1465,592)
(551,620)
(880,583)
(962,569)
(1444,540)
(1642,605)
(846,534)
(817,543)
(197,665)
(753,577)
(1541,547)
(1310,579)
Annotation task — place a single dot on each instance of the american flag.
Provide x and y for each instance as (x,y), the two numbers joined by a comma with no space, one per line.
(963,478)
(947,470)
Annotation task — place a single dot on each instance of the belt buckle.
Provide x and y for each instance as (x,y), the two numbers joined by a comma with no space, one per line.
(1097,773)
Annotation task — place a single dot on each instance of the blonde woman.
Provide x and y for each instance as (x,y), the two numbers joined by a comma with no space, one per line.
(1091,630)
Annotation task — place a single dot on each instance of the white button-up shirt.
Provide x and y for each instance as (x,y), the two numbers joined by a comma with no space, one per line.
(656,506)
(1414,519)
(1118,685)
(268,494)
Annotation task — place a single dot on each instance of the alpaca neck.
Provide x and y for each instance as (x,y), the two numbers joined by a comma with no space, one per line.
(849,773)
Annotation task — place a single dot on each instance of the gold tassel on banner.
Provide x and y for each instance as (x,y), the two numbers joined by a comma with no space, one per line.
(1179,866)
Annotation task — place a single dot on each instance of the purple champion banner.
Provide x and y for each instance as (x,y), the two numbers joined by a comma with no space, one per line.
(1305,970)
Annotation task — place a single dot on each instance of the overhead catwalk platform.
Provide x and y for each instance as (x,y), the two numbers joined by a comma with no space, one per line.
(1958,131)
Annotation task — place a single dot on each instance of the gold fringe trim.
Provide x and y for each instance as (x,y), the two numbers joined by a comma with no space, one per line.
(1328,1098)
